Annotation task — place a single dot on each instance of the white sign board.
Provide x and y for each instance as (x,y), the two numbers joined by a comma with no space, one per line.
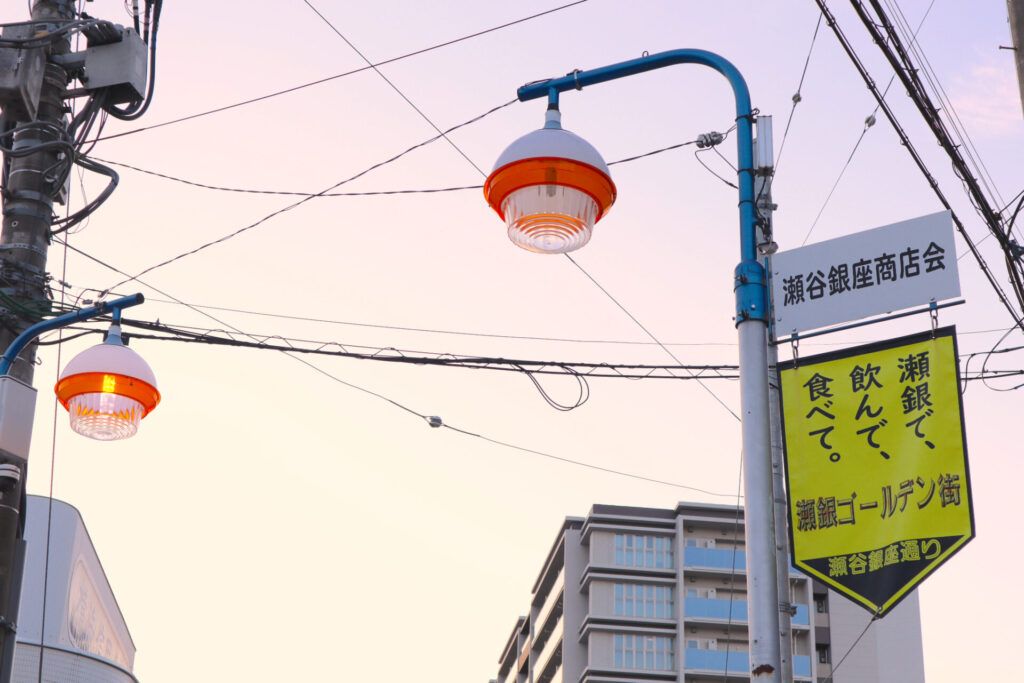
(870,273)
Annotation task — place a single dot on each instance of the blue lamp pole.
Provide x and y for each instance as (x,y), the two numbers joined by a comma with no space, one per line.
(514,171)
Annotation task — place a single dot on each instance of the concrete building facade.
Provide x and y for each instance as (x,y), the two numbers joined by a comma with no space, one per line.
(70,628)
(631,594)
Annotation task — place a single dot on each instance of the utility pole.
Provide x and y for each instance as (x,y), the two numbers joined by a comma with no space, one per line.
(1015,13)
(34,179)
(764,162)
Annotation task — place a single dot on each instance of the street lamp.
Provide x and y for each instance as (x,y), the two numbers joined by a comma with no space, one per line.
(108,388)
(551,187)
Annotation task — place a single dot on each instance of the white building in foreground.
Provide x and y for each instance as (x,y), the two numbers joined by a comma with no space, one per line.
(84,638)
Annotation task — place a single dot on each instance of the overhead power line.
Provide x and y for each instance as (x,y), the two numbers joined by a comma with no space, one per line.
(372,193)
(393,86)
(410,357)
(305,199)
(432,420)
(830,19)
(897,54)
(328,79)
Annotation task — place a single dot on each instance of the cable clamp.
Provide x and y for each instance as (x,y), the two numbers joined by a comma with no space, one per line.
(25,211)
(1016,251)
(28,247)
(30,196)
(754,113)
(575,73)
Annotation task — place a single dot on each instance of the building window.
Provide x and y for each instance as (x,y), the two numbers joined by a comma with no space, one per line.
(644,652)
(821,604)
(632,550)
(823,654)
(643,600)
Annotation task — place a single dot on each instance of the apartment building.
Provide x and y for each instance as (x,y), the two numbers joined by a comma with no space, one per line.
(631,594)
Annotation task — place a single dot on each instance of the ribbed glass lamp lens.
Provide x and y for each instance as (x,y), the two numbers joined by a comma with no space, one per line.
(549,219)
(105,417)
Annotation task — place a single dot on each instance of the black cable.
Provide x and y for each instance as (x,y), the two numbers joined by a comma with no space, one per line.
(868,123)
(409,357)
(797,97)
(696,155)
(221,188)
(346,73)
(74,219)
(650,334)
(896,54)
(134,111)
(584,388)
(905,141)
(49,37)
(874,618)
(394,87)
(581,463)
(422,416)
(436,331)
(307,198)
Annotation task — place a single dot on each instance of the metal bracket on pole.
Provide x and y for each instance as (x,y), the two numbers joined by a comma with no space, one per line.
(749,285)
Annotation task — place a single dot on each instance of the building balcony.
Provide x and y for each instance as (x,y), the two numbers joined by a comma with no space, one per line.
(720,558)
(552,605)
(734,663)
(550,656)
(700,609)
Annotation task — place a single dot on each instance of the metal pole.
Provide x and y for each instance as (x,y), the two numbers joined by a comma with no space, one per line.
(752,327)
(27,210)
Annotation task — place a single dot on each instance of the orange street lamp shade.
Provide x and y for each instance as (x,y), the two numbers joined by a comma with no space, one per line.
(550,187)
(107,390)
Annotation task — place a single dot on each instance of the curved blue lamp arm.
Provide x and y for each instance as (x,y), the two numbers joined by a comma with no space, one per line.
(26,337)
(751,294)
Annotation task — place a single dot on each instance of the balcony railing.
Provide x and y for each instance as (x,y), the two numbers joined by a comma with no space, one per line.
(554,640)
(710,608)
(738,662)
(719,558)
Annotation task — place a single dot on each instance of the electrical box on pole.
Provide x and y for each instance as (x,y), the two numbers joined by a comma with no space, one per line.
(118,66)
(21,75)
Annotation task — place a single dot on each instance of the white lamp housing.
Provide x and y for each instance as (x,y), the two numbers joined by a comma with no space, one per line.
(550,187)
(107,390)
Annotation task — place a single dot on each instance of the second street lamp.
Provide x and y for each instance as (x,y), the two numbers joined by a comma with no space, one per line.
(551,186)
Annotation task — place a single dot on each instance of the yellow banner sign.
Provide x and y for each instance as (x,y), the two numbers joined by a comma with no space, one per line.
(876,465)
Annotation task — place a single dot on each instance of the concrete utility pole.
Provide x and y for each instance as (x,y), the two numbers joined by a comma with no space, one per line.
(764,162)
(34,181)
